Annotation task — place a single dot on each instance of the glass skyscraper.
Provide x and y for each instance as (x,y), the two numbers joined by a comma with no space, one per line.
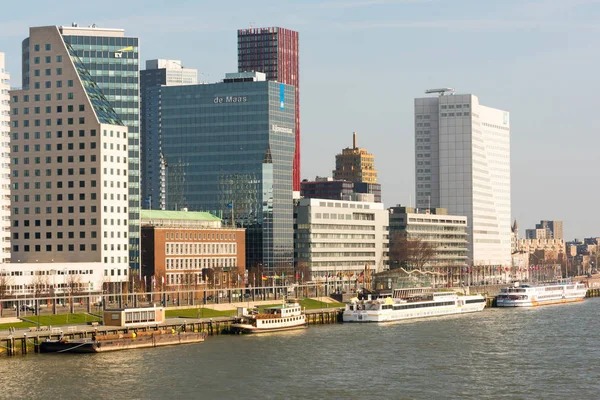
(229,150)
(157,73)
(112,60)
(274,51)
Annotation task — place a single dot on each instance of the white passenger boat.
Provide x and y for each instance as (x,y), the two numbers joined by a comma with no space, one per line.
(542,294)
(278,318)
(411,303)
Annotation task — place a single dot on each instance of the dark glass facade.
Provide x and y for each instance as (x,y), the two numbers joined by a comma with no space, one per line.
(229,150)
(338,189)
(274,51)
(113,64)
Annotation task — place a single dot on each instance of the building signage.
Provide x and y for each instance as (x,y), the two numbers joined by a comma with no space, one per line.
(281,96)
(281,129)
(230,99)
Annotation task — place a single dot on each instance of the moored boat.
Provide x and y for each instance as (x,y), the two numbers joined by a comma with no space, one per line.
(410,303)
(124,341)
(271,319)
(541,294)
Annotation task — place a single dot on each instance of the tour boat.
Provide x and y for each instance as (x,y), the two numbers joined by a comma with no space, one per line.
(541,294)
(411,303)
(277,318)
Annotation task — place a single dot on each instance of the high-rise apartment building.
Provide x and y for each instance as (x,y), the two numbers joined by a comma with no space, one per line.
(4,163)
(69,168)
(275,52)
(112,60)
(355,164)
(229,150)
(462,163)
(157,73)
(554,229)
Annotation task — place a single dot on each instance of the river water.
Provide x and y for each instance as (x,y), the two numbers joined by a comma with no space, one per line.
(550,352)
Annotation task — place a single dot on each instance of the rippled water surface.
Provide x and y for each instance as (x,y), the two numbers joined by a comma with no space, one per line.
(551,352)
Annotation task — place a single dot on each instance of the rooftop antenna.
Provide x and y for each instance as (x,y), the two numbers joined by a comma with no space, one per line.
(441,91)
(250,24)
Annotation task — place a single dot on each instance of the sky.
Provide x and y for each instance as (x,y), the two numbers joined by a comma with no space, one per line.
(362,63)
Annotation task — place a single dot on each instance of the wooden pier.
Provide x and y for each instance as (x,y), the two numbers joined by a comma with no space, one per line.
(21,343)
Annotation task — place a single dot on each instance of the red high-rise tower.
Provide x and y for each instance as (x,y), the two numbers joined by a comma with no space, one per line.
(274,51)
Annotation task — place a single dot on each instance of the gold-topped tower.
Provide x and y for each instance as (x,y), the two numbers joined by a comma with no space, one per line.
(355,165)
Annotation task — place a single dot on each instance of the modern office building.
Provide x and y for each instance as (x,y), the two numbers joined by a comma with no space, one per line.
(229,149)
(153,174)
(4,162)
(340,238)
(355,164)
(275,52)
(462,163)
(69,170)
(328,188)
(112,59)
(167,72)
(554,229)
(189,250)
(445,234)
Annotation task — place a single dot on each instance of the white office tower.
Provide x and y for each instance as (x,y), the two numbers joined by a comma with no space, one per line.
(462,163)
(176,73)
(4,163)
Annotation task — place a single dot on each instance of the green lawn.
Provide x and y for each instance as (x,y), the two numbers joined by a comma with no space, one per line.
(53,320)
(199,313)
(17,325)
(311,304)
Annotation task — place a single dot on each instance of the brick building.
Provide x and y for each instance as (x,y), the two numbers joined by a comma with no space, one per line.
(189,250)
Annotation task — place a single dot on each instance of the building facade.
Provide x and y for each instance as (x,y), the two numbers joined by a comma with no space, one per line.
(153,175)
(112,59)
(340,238)
(229,150)
(328,188)
(462,163)
(275,52)
(69,182)
(4,162)
(355,165)
(445,234)
(190,250)
(554,229)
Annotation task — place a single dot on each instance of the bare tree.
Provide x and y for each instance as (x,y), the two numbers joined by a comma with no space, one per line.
(5,283)
(39,285)
(410,253)
(303,271)
(73,282)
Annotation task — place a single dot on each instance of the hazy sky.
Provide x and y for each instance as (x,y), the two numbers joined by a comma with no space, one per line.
(362,63)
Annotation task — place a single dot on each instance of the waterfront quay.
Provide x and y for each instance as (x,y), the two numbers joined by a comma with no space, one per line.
(21,341)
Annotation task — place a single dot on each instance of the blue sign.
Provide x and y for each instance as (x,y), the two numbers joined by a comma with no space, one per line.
(281,96)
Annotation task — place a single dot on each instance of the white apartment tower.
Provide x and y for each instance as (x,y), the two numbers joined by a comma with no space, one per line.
(69,169)
(462,163)
(176,73)
(4,163)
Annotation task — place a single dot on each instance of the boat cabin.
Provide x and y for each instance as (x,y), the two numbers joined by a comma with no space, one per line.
(132,317)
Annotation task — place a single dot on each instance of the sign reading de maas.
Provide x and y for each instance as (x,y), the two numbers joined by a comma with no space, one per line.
(230,99)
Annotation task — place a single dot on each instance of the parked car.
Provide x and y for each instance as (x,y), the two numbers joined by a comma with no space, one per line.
(25,307)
